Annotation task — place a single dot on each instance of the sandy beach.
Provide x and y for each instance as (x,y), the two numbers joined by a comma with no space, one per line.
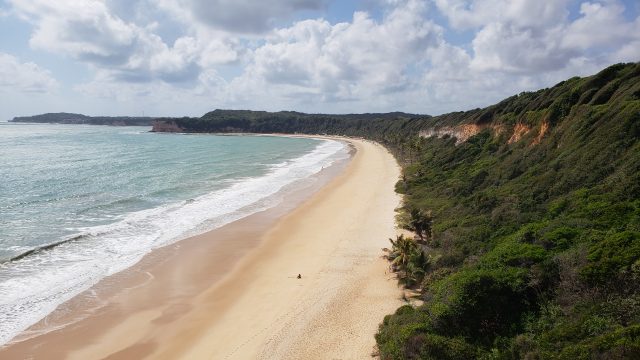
(233,293)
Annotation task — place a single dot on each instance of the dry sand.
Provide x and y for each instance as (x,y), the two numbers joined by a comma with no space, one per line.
(238,297)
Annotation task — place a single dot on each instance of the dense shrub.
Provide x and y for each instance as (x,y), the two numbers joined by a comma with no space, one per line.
(479,304)
(613,256)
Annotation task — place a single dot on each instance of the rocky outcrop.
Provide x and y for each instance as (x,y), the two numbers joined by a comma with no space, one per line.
(165,126)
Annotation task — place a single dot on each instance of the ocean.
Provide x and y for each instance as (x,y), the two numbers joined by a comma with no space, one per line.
(79,202)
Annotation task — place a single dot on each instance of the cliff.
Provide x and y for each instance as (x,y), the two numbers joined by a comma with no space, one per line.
(165,126)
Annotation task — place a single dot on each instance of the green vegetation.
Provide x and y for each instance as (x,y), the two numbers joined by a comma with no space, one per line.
(527,246)
(408,259)
(70,118)
(536,247)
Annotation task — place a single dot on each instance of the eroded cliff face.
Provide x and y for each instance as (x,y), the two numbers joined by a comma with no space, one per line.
(165,126)
(544,127)
(462,133)
(519,131)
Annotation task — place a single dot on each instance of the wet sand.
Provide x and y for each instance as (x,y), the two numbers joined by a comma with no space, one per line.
(233,293)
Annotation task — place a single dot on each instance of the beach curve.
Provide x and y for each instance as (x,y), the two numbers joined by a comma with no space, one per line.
(261,309)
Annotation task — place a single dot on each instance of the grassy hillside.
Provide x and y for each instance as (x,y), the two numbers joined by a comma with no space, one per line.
(535,243)
(529,214)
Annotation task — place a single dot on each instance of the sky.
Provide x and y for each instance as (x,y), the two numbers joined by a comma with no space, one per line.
(188,57)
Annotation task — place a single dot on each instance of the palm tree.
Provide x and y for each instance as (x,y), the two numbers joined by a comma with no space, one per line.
(407,257)
(417,267)
(422,223)
(401,251)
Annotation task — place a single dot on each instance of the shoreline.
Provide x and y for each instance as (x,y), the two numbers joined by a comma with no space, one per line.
(87,302)
(177,302)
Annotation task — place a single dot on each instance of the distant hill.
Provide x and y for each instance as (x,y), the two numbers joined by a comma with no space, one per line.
(247,121)
(70,118)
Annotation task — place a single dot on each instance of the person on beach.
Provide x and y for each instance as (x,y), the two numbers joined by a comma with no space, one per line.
(299,276)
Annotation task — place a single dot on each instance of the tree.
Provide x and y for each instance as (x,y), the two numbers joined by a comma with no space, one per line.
(421,223)
(401,250)
(407,257)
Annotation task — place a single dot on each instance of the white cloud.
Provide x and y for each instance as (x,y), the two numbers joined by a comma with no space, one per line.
(520,36)
(85,30)
(16,76)
(532,36)
(208,84)
(88,31)
(601,25)
(452,83)
(155,98)
(629,52)
(345,61)
(505,47)
(403,62)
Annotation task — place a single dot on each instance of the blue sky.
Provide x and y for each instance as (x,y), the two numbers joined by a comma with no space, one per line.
(186,57)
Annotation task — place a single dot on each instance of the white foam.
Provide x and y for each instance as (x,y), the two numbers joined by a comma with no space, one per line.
(34,286)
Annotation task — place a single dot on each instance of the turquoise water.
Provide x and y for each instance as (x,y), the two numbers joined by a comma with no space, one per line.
(119,192)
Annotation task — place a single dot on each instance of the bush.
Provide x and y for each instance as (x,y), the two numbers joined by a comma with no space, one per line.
(479,304)
(613,256)
(623,343)
(436,347)
(513,253)
(560,238)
